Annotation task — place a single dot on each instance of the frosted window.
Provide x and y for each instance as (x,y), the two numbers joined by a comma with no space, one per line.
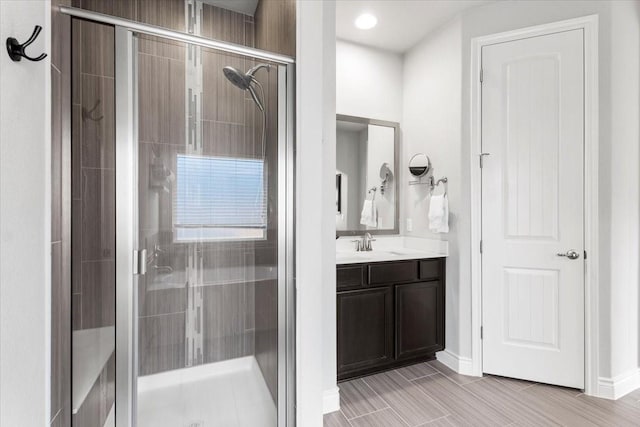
(219,198)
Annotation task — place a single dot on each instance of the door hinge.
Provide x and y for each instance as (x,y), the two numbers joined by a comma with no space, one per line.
(585,254)
(140,262)
(481,332)
(480,246)
(481,75)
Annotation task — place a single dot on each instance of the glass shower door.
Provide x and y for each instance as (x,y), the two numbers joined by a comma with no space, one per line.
(212,178)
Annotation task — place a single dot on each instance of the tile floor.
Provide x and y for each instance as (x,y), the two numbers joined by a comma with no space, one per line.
(430,394)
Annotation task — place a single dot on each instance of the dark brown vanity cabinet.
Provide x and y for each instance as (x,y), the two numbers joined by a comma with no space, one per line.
(365,322)
(389,314)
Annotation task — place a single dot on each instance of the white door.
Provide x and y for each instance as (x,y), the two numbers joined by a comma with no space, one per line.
(532,209)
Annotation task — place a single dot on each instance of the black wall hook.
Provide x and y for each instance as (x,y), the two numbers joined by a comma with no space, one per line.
(16,50)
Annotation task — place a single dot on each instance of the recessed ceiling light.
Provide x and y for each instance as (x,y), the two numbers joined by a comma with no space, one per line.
(366,21)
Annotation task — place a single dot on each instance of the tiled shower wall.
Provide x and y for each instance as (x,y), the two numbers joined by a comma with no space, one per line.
(223,294)
(60,217)
(93,202)
(239,306)
(227,130)
(275,22)
(93,175)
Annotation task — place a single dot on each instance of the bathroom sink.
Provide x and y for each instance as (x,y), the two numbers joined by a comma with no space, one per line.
(374,255)
(390,249)
(398,253)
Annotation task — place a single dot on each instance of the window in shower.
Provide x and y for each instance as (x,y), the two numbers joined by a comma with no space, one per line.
(219,198)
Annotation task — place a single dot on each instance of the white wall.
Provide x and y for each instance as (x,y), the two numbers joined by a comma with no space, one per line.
(331,397)
(315,212)
(368,82)
(432,125)
(437,68)
(625,204)
(25,220)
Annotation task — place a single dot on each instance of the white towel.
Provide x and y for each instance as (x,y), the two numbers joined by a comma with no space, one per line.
(439,214)
(369,215)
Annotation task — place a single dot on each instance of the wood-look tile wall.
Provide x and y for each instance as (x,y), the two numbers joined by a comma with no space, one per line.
(93,199)
(266,292)
(227,130)
(93,172)
(276,26)
(60,217)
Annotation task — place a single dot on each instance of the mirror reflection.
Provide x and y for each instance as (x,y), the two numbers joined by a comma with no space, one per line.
(366,183)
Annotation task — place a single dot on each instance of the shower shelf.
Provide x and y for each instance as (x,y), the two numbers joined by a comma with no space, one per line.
(92,349)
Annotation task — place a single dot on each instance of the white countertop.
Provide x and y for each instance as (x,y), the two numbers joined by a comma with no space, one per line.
(390,248)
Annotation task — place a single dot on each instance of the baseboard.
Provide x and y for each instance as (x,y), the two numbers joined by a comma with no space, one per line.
(459,364)
(331,400)
(618,386)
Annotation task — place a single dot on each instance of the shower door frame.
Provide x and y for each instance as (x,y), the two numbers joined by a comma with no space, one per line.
(128,253)
(130,258)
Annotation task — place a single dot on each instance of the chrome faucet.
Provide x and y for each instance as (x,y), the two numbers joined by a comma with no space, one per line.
(364,244)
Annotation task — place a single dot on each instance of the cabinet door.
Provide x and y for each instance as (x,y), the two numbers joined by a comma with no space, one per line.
(419,319)
(365,329)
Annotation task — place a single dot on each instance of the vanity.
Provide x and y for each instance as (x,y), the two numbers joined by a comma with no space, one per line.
(390,313)
(390,288)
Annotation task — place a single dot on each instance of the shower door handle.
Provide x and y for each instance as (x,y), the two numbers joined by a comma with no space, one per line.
(140,262)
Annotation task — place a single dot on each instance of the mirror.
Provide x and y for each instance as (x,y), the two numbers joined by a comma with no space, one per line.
(419,165)
(366,168)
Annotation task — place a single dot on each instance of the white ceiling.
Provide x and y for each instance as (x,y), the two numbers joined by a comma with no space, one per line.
(248,7)
(401,23)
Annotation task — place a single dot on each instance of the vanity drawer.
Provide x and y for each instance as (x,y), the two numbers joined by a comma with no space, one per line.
(429,269)
(350,277)
(393,272)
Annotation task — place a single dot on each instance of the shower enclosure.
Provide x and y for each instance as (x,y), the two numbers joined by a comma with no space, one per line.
(202,194)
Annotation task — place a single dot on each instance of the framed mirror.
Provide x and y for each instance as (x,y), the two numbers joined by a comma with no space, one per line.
(366,176)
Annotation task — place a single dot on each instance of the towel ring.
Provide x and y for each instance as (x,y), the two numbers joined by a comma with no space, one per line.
(444,180)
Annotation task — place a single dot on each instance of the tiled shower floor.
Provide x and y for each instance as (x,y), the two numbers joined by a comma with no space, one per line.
(226,394)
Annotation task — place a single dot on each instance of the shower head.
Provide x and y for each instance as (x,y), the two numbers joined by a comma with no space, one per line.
(245,81)
(238,78)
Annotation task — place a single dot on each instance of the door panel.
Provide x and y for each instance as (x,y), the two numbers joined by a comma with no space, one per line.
(532,209)
(210,207)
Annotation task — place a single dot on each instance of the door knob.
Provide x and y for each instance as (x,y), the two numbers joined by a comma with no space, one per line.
(571,254)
